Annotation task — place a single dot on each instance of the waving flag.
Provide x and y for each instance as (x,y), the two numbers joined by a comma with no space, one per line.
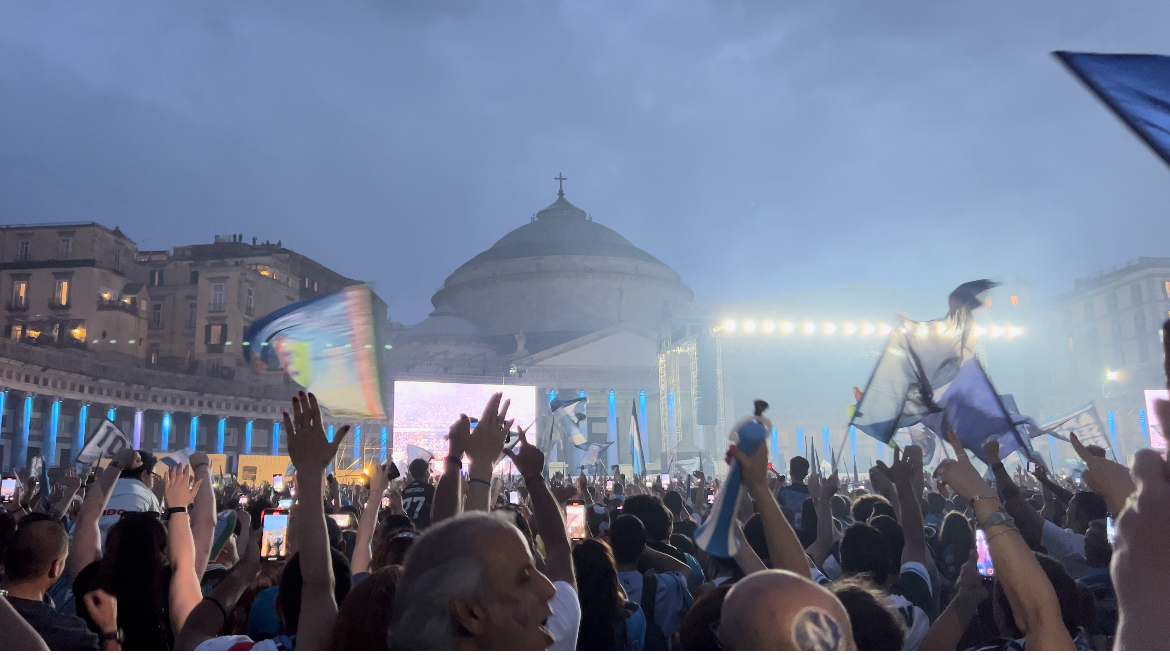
(328,346)
(593,453)
(716,536)
(976,413)
(637,455)
(567,415)
(106,441)
(413,452)
(1135,87)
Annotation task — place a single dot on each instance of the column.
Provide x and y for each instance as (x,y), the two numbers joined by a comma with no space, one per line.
(50,441)
(777,461)
(165,433)
(82,419)
(329,435)
(644,429)
(220,427)
(385,442)
(275,438)
(137,429)
(3,407)
(1145,423)
(112,414)
(20,435)
(611,429)
(248,437)
(828,452)
(357,442)
(1112,434)
(800,441)
(193,435)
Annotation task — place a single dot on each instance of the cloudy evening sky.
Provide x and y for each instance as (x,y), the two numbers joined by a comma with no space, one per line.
(756,147)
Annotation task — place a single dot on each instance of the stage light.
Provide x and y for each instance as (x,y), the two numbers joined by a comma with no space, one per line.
(729,325)
(749,326)
(996,332)
(850,329)
(941,328)
(1015,331)
(1112,376)
(769,327)
(921,331)
(980,330)
(809,328)
(884,329)
(867,329)
(787,327)
(830,328)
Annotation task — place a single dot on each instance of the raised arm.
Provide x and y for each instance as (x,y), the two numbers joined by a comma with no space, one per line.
(484,446)
(1029,592)
(87,537)
(362,552)
(1051,486)
(1108,478)
(185,590)
(311,452)
(203,512)
(783,545)
(1028,520)
(70,484)
(558,562)
(822,495)
(448,499)
(207,618)
(906,475)
(947,630)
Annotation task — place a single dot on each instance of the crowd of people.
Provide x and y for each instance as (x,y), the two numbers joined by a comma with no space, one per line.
(123,557)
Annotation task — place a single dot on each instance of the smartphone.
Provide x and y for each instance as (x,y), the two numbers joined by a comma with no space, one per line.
(243,500)
(575,520)
(274,540)
(514,497)
(1031,467)
(284,503)
(710,497)
(1110,529)
(278,483)
(609,485)
(665,477)
(343,520)
(8,489)
(986,568)
(385,502)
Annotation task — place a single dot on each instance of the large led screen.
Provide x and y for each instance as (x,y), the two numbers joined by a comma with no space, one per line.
(423,411)
(1157,430)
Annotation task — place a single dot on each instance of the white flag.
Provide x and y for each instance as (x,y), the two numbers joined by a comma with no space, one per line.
(106,441)
(413,452)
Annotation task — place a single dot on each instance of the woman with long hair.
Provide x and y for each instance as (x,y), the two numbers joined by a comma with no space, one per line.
(603,601)
(136,569)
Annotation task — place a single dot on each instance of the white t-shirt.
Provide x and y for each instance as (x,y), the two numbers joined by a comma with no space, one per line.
(565,621)
(129,495)
(237,642)
(909,596)
(1067,546)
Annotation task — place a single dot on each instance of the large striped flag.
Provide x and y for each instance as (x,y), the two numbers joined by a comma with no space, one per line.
(637,455)
(717,535)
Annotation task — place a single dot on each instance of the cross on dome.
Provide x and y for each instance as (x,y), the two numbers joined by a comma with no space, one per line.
(560,178)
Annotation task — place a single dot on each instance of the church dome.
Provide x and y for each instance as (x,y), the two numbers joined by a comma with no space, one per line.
(443,323)
(561,229)
(558,277)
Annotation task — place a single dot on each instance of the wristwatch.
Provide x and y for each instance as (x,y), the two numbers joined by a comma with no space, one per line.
(117,635)
(171,511)
(998,518)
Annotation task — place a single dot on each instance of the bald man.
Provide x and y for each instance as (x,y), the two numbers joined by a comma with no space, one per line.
(778,610)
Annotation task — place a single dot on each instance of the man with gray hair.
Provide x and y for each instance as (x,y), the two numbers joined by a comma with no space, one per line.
(470,583)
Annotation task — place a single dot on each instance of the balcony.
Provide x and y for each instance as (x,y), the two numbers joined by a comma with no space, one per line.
(117,305)
(18,306)
(58,307)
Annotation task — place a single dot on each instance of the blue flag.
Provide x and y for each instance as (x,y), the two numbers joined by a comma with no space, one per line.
(1135,87)
(637,454)
(717,534)
(976,414)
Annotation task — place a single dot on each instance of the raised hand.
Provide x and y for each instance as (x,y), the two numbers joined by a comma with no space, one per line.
(991,451)
(179,490)
(103,609)
(528,459)
(1108,478)
(491,432)
(754,467)
(308,446)
(381,476)
(1140,574)
(959,474)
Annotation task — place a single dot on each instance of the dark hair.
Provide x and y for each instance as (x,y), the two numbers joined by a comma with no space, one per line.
(618,488)
(674,502)
(363,618)
(753,532)
(862,507)
(864,551)
(601,595)
(148,462)
(876,624)
(392,551)
(798,467)
(882,507)
(288,596)
(1076,609)
(695,628)
(684,543)
(1098,550)
(256,509)
(627,535)
(840,507)
(136,570)
(955,533)
(419,469)
(895,540)
(808,523)
(1090,506)
(33,549)
(654,516)
(935,502)
(396,523)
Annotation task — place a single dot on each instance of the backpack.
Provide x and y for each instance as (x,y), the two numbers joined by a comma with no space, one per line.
(655,639)
(630,629)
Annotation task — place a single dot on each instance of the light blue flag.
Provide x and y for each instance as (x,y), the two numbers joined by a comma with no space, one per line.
(637,454)
(717,535)
(975,413)
(1135,87)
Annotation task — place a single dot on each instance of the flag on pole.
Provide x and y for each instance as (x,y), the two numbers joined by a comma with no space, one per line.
(976,414)
(1135,87)
(637,455)
(106,441)
(592,454)
(1086,422)
(568,414)
(328,345)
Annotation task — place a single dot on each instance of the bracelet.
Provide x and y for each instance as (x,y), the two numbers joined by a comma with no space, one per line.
(218,606)
(455,460)
(171,511)
(989,537)
(976,499)
(529,479)
(481,481)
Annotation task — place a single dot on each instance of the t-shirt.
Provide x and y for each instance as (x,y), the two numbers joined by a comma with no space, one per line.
(793,497)
(416,502)
(565,621)
(671,601)
(911,595)
(1066,546)
(1099,582)
(240,642)
(129,495)
(59,631)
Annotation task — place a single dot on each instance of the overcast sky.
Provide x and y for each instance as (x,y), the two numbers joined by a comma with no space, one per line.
(757,148)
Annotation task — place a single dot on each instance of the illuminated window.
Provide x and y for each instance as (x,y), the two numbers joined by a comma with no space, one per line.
(17,332)
(78,332)
(1166,288)
(214,334)
(156,278)
(1015,301)
(216,302)
(61,292)
(20,293)
(152,354)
